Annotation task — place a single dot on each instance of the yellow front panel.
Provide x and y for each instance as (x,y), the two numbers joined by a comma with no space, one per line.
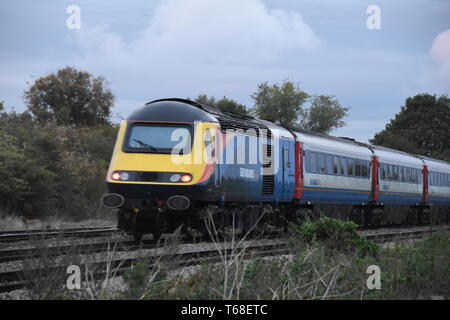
(127,161)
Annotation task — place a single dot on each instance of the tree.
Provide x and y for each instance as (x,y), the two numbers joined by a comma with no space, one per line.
(279,104)
(421,127)
(285,104)
(324,115)
(224,104)
(70,97)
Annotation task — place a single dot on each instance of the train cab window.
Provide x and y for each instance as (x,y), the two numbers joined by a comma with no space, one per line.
(151,138)
(321,163)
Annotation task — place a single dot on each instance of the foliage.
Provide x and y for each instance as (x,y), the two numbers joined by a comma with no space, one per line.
(281,104)
(52,170)
(324,114)
(421,127)
(224,104)
(285,104)
(335,234)
(70,97)
(314,271)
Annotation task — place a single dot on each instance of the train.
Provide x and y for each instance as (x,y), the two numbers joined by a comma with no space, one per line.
(175,159)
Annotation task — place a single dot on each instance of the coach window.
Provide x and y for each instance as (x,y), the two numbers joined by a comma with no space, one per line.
(329,160)
(350,167)
(312,162)
(336,167)
(390,172)
(343,166)
(358,169)
(395,177)
(321,163)
(365,169)
(383,171)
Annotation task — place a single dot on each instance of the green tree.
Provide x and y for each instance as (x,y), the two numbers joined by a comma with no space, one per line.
(70,97)
(205,99)
(282,104)
(285,104)
(421,127)
(224,104)
(324,114)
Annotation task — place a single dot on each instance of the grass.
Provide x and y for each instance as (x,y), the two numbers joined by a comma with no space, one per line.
(16,222)
(327,259)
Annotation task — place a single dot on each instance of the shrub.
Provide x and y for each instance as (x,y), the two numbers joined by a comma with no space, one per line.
(334,234)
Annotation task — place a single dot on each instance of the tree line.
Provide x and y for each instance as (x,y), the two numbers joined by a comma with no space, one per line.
(54,156)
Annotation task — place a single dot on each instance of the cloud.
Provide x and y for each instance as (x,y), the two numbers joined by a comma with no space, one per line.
(220,31)
(195,46)
(440,52)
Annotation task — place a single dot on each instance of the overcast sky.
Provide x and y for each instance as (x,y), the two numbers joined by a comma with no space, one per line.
(181,48)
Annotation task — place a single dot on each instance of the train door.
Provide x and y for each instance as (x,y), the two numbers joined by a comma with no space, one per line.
(287,165)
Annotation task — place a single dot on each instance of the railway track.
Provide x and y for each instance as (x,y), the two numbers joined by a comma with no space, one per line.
(13,236)
(13,279)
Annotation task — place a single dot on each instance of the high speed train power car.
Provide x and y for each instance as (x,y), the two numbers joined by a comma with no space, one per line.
(175,157)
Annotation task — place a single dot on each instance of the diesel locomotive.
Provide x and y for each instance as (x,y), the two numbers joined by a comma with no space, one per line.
(174,158)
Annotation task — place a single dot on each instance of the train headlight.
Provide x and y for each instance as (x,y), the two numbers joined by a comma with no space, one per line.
(120,176)
(175,177)
(186,178)
(115,176)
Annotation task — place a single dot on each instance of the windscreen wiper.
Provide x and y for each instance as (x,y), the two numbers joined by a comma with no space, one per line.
(145,144)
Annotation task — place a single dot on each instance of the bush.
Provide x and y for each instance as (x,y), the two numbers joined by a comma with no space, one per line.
(336,235)
(51,170)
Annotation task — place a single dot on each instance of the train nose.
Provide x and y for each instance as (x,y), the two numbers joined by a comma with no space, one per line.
(113,200)
(178,202)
